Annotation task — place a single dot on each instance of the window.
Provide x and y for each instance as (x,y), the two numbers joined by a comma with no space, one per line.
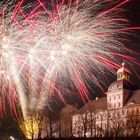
(118,76)
(105,125)
(119,96)
(119,105)
(132,111)
(137,111)
(123,123)
(129,112)
(122,112)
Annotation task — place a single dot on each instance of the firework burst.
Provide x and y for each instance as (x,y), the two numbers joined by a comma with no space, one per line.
(81,40)
(14,46)
(59,47)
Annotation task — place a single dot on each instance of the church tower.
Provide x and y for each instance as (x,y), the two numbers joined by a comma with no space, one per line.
(119,91)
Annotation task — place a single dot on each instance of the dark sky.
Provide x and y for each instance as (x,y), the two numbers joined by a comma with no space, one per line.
(133,7)
(134,11)
(133,14)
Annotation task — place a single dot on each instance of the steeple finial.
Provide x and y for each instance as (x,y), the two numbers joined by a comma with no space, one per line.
(123,64)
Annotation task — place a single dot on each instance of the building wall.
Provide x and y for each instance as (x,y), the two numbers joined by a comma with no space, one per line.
(108,122)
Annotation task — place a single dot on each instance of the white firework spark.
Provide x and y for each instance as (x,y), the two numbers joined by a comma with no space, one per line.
(60,47)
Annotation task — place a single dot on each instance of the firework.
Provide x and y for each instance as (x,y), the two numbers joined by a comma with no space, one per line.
(14,46)
(58,48)
(80,41)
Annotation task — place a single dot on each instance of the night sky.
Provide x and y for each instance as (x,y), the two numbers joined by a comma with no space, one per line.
(133,14)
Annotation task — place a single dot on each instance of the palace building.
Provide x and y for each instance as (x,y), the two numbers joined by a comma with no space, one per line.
(117,114)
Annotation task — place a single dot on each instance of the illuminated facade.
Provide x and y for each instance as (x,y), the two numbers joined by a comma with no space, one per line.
(117,114)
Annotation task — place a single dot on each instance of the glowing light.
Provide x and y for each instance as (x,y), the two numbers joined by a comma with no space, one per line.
(5,55)
(65,49)
(30,127)
(5,46)
(52,55)
(12,138)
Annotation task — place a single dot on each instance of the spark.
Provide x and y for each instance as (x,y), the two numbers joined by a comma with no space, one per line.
(80,41)
(59,47)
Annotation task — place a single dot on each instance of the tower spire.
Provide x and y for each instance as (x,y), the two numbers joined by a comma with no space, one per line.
(123,73)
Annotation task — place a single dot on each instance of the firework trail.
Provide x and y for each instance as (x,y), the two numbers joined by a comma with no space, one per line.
(10,83)
(59,47)
(79,41)
(15,29)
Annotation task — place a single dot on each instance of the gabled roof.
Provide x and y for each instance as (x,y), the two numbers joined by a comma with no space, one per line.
(134,98)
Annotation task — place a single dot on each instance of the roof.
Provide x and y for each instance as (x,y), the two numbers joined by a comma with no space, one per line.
(123,69)
(94,105)
(122,84)
(101,103)
(134,98)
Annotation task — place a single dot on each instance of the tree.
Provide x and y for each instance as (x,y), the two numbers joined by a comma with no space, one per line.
(116,123)
(133,123)
(66,120)
(50,123)
(33,124)
(77,125)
